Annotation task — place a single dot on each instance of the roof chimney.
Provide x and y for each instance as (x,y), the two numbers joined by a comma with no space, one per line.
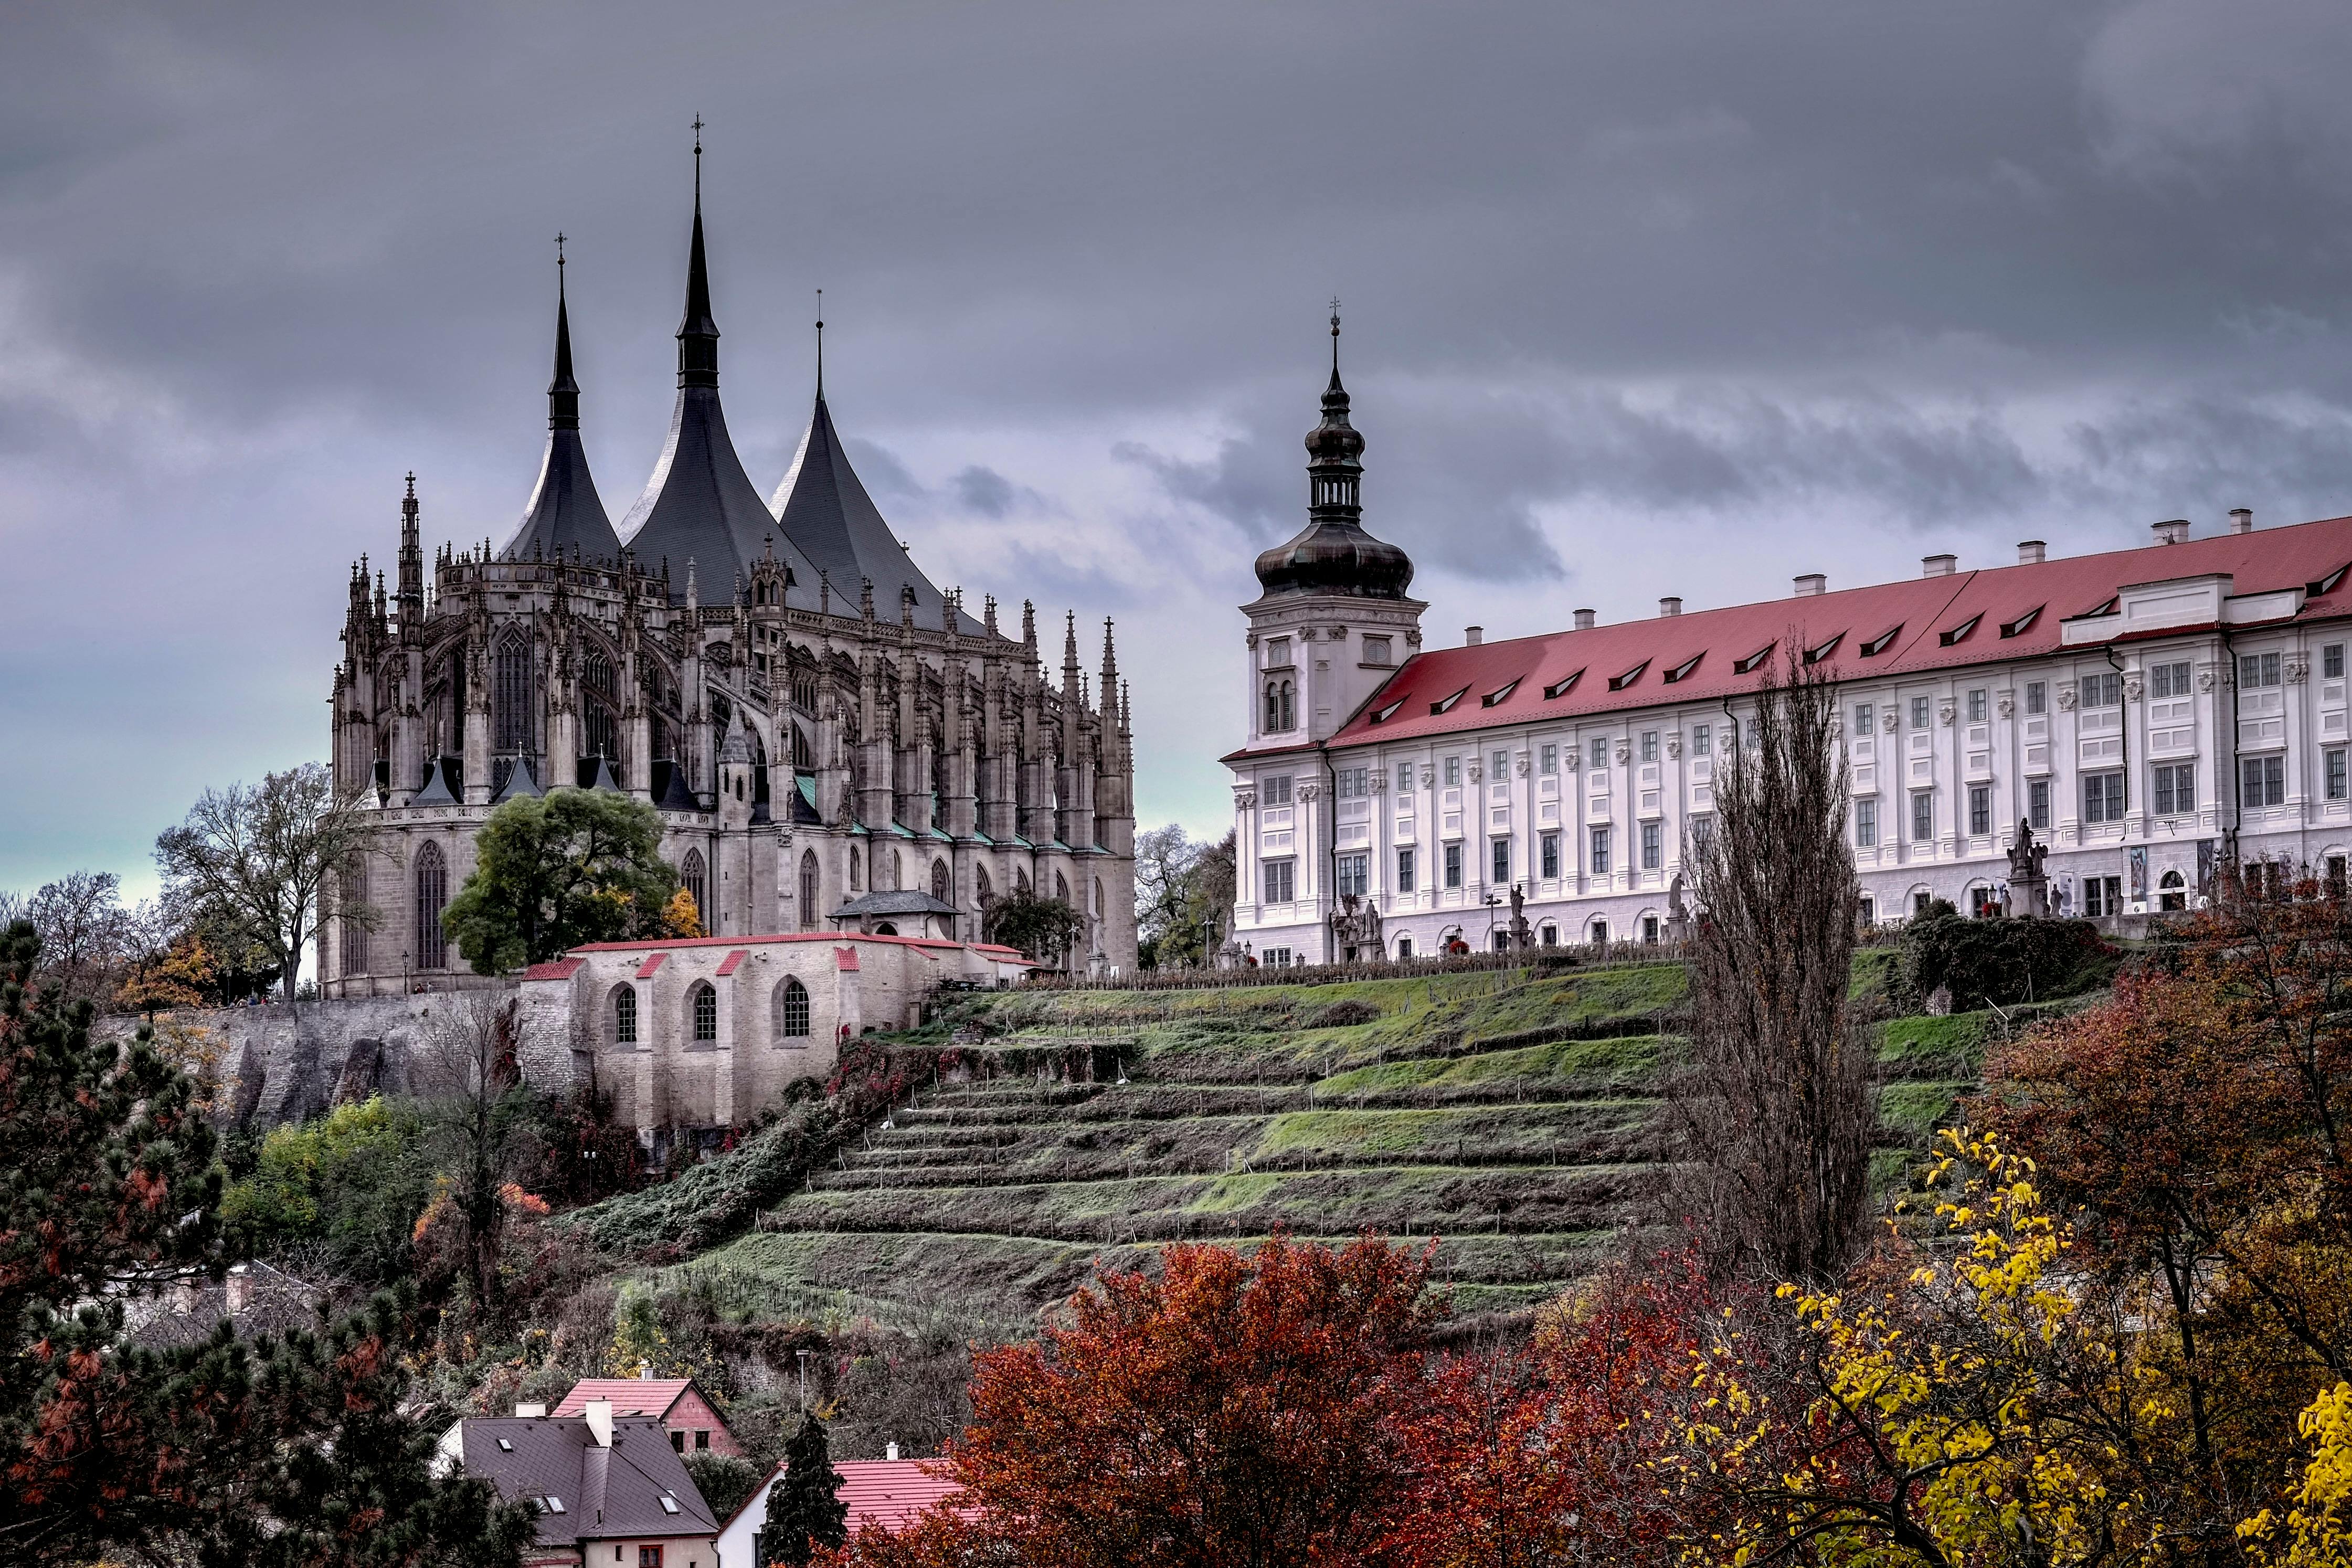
(1938,565)
(2032,553)
(890,1452)
(1473,635)
(2175,531)
(2241,519)
(1584,620)
(1670,606)
(1811,583)
(529,1412)
(599,1413)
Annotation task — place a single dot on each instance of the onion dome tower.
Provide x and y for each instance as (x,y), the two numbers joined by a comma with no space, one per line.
(565,515)
(700,506)
(1334,554)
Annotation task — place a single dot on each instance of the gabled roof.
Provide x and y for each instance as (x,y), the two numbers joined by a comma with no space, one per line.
(1912,628)
(640,1485)
(828,518)
(630,1395)
(887,1493)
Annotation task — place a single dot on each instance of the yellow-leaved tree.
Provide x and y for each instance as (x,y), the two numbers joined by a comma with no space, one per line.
(680,917)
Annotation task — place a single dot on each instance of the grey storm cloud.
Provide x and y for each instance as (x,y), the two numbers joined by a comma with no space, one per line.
(1681,292)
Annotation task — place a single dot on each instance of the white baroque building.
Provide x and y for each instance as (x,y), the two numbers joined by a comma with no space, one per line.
(2153,714)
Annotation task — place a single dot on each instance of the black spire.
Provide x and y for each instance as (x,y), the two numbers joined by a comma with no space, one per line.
(1334,554)
(820,345)
(697,335)
(563,393)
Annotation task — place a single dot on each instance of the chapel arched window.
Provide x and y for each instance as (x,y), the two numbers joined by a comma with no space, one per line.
(510,723)
(791,1010)
(432,896)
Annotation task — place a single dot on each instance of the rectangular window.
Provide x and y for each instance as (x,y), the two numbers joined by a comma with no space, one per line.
(2103,897)
(1499,861)
(1404,778)
(1351,783)
(2102,688)
(1452,773)
(1923,818)
(1376,650)
(2335,781)
(1277,653)
(1863,715)
(2037,697)
(1277,958)
(650,1557)
(1865,825)
(1600,852)
(1600,933)
(1919,712)
(1549,759)
(1548,846)
(2168,681)
(1649,930)
(2037,803)
(2174,788)
(2331,661)
(1979,809)
(1405,871)
(1281,881)
(1702,832)
(2103,798)
(1453,865)
(1354,871)
(1866,912)
(1979,705)
(2258,670)
(2261,780)
(1649,745)
(1502,768)
(1277,790)
(701,1438)
(1599,752)
(1653,845)
(1702,740)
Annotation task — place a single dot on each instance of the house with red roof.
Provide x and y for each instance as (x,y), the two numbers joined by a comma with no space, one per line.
(693,1423)
(2146,715)
(888,1494)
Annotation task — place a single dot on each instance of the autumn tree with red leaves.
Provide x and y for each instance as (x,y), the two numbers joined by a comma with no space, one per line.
(272,1452)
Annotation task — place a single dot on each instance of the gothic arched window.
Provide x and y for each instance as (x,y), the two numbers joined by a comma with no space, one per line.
(624,1014)
(984,889)
(791,1010)
(808,890)
(897,870)
(432,894)
(802,756)
(856,871)
(940,880)
(1020,881)
(695,879)
(602,737)
(353,904)
(510,724)
(1061,887)
(702,1009)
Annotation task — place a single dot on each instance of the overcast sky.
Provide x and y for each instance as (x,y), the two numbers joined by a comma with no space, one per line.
(1641,300)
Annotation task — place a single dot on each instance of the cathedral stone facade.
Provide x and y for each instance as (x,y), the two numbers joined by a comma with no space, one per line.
(833,742)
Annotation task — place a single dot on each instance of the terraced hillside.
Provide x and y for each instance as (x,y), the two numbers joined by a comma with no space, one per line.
(1510,1115)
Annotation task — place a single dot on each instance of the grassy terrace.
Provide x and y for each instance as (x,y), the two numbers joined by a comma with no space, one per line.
(1511,1116)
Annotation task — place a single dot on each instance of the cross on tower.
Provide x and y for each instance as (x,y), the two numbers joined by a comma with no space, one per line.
(558,247)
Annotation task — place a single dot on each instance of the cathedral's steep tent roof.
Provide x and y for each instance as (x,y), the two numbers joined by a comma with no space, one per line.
(1890,629)
(565,514)
(699,505)
(824,510)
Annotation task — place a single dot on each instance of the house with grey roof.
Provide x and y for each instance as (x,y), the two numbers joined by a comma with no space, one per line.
(608,1490)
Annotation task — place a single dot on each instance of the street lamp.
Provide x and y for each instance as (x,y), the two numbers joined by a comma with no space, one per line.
(1493,900)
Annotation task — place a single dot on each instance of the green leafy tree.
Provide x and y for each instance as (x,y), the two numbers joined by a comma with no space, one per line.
(1042,928)
(272,1452)
(804,1509)
(554,872)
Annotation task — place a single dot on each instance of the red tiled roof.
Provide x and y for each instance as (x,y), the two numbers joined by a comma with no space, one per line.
(644,969)
(630,1395)
(1889,628)
(554,969)
(888,1493)
(846,960)
(733,961)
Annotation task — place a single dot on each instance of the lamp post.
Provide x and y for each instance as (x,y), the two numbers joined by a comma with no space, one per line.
(1493,901)
(803,1356)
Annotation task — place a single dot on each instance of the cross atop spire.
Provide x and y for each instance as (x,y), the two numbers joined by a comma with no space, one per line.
(1335,340)
(562,392)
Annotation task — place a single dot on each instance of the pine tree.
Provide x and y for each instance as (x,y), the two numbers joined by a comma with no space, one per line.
(804,1510)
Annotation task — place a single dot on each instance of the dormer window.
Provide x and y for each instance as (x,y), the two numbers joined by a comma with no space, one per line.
(1563,686)
(1821,651)
(1382,715)
(2329,584)
(1620,682)
(1445,704)
(2023,623)
(1882,642)
(1744,665)
(1960,632)
(1501,694)
(1684,670)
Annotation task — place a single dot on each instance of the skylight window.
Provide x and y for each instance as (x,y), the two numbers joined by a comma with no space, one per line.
(1960,632)
(669,1504)
(1501,694)
(1882,642)
(505,1447)
(1742,666)
(1683,670)
(1816,653)
(551,1503)
(2023,623)
(1445,704)
(1620,682)
(1563,686)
